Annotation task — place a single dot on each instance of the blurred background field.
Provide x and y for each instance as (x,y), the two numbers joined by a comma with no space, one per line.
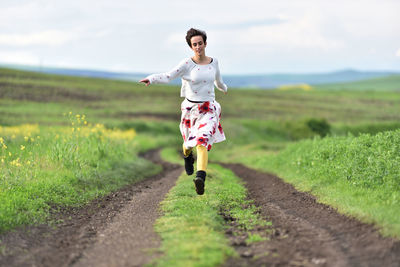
(42,98)
(253,119)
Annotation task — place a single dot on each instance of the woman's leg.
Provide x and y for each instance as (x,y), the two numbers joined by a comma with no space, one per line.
(186,152)
(189,160)
(202,161)
(202,158)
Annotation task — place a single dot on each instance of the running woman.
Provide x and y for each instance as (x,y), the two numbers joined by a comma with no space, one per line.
(200,121)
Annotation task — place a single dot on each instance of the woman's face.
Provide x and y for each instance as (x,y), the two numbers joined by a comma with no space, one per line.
(198,45)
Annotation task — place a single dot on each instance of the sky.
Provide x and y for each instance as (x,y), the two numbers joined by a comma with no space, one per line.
(247,37)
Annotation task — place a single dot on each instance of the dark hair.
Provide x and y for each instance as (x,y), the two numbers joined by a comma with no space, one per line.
(195,32)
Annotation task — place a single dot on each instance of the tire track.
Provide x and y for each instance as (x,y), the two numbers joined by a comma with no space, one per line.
(130,240)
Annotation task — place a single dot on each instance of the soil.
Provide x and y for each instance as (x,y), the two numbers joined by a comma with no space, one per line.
(305,232)
(117,230)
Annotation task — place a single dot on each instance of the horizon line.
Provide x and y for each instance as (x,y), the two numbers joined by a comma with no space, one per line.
(348,69)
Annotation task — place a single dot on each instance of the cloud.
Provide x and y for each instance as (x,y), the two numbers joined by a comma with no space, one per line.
(282,31)
(136,34)
(49,37)
(305,31)
(19,57)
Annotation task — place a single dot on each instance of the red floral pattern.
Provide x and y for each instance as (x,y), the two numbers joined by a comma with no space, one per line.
(220,128)
(199,125)
(187,123)
(205,107)
(202,141)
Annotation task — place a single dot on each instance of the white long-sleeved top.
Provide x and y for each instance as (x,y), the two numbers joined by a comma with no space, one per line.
(197,80)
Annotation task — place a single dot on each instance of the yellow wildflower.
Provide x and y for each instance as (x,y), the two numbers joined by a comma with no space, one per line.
(2,160)
(22,147)
(4,146)
(9,153)
(1,140)
(16,163)
(26,138)
(28,162)
(78,129)
(73,129)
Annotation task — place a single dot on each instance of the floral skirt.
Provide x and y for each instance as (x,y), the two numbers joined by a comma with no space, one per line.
(200,124)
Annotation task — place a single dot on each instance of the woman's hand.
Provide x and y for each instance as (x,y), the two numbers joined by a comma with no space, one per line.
(145,81)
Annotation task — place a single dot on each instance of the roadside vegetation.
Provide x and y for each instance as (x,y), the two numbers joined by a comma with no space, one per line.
(360,176)
(43,168)
(357,174)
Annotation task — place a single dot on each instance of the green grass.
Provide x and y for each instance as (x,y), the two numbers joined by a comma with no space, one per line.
(192,228)
(47,167)
(358,175)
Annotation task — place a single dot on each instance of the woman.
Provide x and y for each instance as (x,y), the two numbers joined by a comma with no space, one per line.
(200,126)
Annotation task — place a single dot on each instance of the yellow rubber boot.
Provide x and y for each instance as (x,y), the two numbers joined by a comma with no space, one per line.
(186,152)
(202,161)
(202,158)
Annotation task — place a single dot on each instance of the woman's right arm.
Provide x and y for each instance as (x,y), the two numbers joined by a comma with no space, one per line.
(166,77)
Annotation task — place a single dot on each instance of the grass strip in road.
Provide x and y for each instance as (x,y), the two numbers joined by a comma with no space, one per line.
(358,175)
(192,228)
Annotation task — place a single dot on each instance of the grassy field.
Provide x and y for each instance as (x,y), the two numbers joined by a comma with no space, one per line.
(30,97)
(315,139)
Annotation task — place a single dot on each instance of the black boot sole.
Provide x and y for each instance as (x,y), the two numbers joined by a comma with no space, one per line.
(199,183)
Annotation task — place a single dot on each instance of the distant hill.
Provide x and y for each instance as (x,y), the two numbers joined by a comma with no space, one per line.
(276,80)
(387,83)
(79,72)
(239,81)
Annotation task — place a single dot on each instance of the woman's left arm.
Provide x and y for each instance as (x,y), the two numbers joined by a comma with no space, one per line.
(219,83)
